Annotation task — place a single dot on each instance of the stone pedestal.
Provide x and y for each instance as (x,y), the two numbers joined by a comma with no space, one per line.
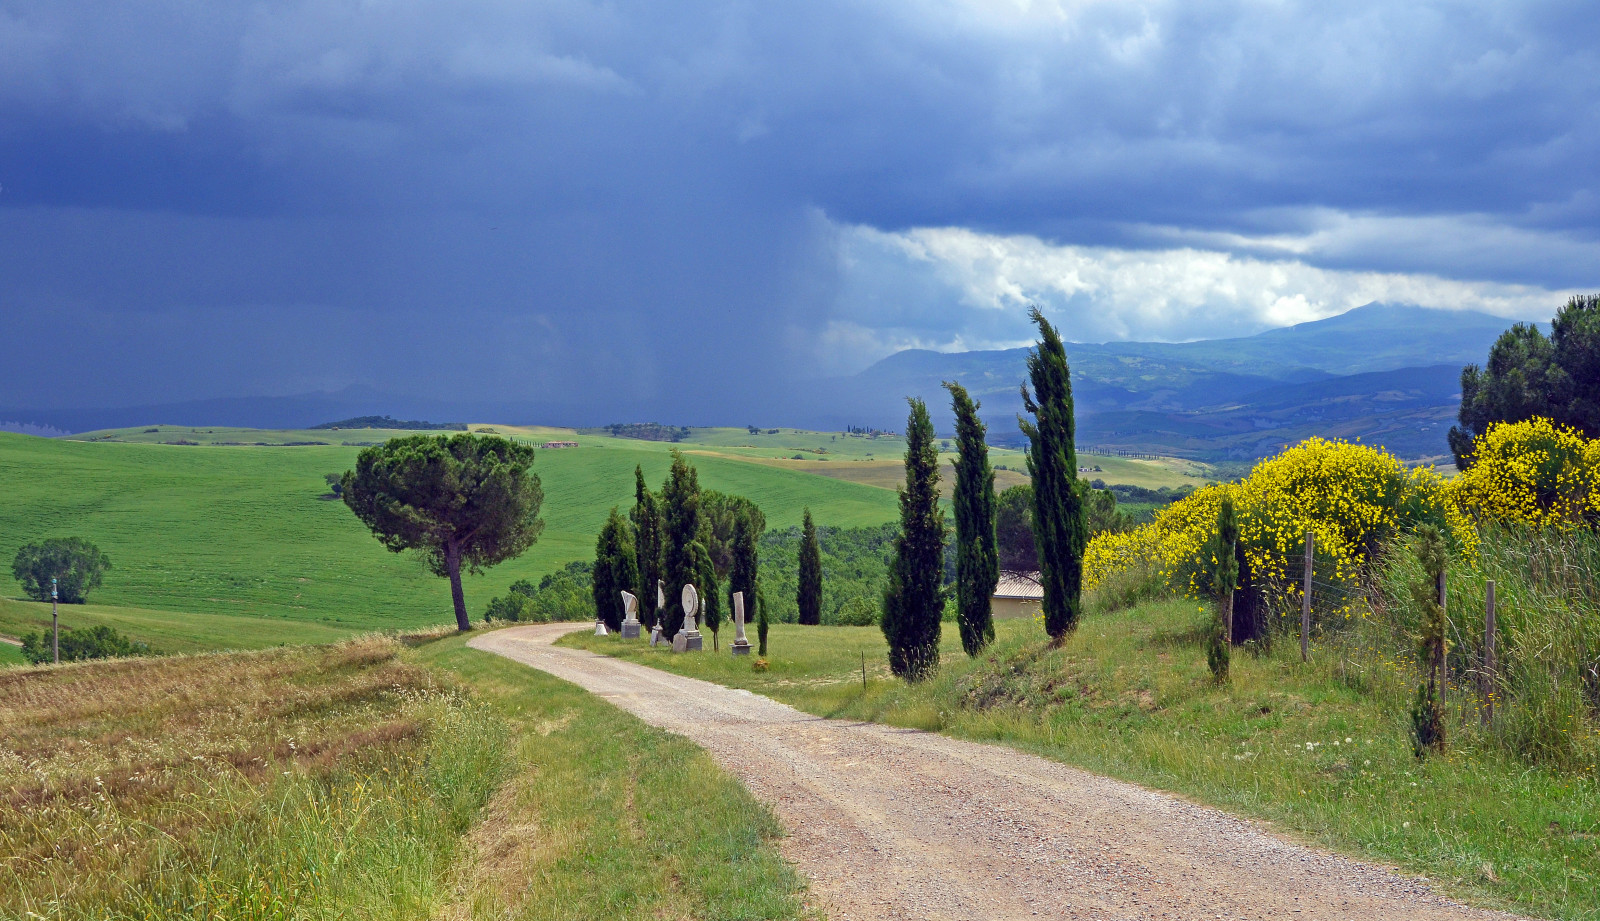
(600,628)
(630,620)
(740,649)
(693,642)
(630,631)
(655,634)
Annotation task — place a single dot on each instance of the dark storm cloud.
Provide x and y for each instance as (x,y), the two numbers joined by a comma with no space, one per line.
(655,204)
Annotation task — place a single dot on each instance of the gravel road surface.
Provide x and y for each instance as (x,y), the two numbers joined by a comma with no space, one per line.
(900,824)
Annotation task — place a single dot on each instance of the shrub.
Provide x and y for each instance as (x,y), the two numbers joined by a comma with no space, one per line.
(1352,497)
(856,611)
(1532,473)
(564,595)
(76,564)
(100,642)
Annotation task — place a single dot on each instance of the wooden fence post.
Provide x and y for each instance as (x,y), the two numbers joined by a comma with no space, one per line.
(1305,603)
(1440,665)
(1488,656)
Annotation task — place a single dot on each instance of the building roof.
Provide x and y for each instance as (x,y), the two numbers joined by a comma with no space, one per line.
(1023,585)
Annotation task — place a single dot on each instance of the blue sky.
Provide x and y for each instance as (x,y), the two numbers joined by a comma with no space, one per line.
(604,202)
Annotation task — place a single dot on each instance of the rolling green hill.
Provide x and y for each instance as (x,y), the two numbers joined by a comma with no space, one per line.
(241,530)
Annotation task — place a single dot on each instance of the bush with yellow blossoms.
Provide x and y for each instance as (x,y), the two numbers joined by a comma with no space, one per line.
(1352,497)
(1532,473)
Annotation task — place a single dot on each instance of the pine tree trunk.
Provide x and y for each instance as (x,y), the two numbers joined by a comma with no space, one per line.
(452,559)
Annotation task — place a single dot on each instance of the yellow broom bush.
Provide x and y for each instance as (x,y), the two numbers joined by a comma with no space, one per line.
(1532,473)
(1352,497)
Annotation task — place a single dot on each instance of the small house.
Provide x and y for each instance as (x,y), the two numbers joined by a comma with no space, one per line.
(1017,594)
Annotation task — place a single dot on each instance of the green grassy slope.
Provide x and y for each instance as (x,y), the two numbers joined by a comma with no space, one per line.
(241,530)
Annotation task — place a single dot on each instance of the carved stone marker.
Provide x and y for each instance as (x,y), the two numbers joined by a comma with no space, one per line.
(741,646)
(600,627)
(688,638)
(656,633)
(630,620)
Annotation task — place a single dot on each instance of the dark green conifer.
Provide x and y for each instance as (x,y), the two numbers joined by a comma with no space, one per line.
(913,603)
(1224,580)
(810,591)
(681,500)
(615,569)
(745,575)
(1060,526)
(977,559)
(647,535)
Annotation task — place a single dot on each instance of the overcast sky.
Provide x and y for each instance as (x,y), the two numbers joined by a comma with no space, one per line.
(571,200)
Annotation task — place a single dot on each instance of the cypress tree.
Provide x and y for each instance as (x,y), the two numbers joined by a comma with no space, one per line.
(681,513)
(615,570)
(761,623)
(810,592)
(977,557)
(1224,579)
(913,603)
(647,528)
(746,573)
(1060,527)
(705,582)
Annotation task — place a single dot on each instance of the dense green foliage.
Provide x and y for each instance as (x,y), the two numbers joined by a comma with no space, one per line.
(977,557)
(720,515)
(616,569)
(913,601)
(1060,526)
(856,560)
(75,565)
(460,502)
(99,642)
(1014,530)
(681,507)
(745,575)
(709,588)
(808,591)
(649,527)
(389,422)
(564,595)
(1530,375)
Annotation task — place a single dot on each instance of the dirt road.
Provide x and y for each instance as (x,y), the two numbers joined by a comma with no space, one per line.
(896,823)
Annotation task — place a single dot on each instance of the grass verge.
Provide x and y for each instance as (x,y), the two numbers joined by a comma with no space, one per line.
(605,817)
(1318,750)
(362,780)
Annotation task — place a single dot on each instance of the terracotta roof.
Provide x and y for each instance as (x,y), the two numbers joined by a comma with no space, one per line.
(1018,585)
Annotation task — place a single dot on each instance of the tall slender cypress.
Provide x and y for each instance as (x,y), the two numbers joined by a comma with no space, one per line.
(647,528)
(977,558)
(615,569)
(810,592)
(681,500)
(913,603)
(1060,527)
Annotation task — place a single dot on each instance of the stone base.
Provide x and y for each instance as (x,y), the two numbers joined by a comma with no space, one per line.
(600,629)
(694,642)
(740,649)
(680,643)
(630,631)
(655,634)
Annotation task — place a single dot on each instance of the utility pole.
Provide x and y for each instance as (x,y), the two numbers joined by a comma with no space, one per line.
(1305,603)
(55,625)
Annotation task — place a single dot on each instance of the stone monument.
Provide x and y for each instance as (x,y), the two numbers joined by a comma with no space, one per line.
(661,605)
(630,622)
(688,638)
(600,626)
(741,646)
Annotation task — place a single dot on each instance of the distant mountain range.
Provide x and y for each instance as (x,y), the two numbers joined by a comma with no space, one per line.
(1385,374)
(1382,373)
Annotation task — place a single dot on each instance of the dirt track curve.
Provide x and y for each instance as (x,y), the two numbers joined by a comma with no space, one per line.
(902,824)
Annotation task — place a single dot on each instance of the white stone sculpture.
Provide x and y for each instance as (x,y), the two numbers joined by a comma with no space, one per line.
(741,646)
(689,638)
(630,620)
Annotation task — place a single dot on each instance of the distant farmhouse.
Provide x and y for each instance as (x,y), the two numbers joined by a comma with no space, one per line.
(559,444)
(1017,594)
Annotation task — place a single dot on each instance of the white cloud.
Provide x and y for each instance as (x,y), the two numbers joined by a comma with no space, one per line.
(973,289)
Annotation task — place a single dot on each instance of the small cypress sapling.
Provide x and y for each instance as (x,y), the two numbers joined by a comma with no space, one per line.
(705,583)
(761,623)
(1427,712)
(809,596)
(1060,525)
(977,559)
(1224,579)
(681,498)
